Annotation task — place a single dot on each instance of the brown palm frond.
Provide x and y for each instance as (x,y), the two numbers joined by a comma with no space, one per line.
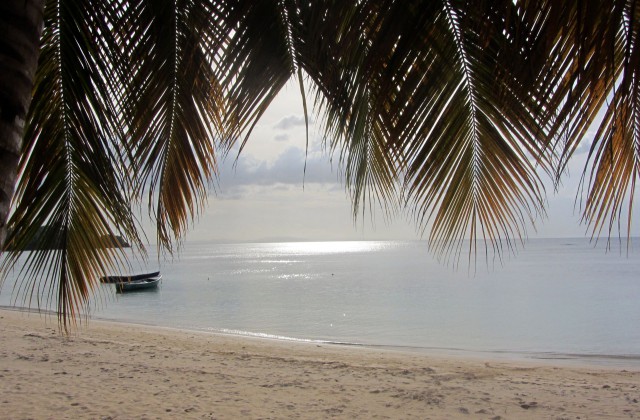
(472,159)
(575,64)
(257,62)
(613,164)
(173,105)
(587,70)
(445,109)
(336,49)
(72,191)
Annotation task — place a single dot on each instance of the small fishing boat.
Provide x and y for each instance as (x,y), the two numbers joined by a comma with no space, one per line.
(134,282)
(129,278)
(142,284)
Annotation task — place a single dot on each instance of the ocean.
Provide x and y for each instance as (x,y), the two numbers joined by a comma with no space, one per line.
(563,299)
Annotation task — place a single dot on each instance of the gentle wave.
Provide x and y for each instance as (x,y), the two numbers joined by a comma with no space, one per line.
(266,336)
(619,360)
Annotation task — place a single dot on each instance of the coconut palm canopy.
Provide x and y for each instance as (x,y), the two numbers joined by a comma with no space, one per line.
(451,110)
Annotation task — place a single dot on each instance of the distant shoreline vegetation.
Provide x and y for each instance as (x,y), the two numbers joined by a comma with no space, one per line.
(49,238)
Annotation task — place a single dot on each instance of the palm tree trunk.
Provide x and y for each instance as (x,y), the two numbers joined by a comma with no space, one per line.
(21,24)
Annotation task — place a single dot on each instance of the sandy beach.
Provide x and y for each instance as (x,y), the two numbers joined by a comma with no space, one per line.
(121,371)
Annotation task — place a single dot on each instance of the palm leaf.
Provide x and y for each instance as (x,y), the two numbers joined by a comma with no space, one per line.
(173,105)
(472,158)
(583,59)
(334,49)
(614,157)
(446,110)
(257,62)
(71,179)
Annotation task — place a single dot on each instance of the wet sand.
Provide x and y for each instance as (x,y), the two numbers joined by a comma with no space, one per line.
(121,371)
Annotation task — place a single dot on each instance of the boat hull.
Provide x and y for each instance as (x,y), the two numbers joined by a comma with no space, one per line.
(130,278)
(140,284)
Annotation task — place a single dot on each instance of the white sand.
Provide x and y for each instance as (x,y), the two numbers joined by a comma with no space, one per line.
(110,370)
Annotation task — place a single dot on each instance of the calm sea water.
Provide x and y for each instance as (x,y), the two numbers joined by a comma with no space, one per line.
(558,298)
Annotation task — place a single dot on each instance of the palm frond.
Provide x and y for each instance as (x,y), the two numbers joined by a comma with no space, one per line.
(445,110)
(587,70)
(257,62)
(173,105)
(614,157)
(576,49)
(336,50)
(70,177)
(472,156)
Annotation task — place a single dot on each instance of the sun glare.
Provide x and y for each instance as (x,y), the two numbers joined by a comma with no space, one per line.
(335,247)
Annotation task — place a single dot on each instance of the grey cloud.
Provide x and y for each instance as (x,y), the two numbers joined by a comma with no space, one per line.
(281,137)
(291,121)
(584,147)
(287,169)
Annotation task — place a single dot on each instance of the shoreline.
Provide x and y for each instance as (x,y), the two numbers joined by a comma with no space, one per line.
(109,369)
(555,359)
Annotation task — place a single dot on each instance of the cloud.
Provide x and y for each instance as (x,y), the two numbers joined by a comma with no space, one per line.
(287,169)
(584,147)
(281,137)
(291,121)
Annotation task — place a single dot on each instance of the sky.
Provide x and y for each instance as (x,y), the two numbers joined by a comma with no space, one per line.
(266,196)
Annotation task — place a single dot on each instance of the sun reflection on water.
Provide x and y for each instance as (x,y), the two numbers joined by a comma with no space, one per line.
(334,247)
